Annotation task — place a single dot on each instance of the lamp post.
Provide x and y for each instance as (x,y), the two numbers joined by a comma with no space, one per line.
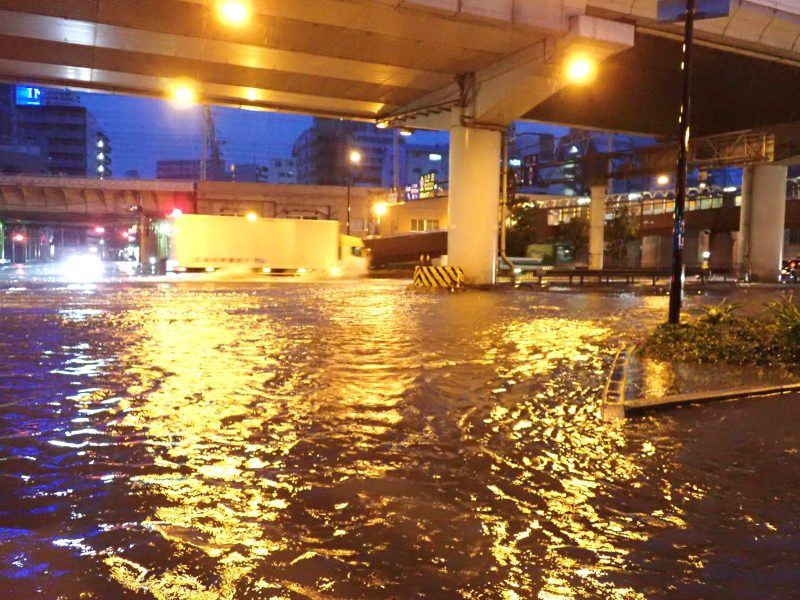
(14,240)
(353,159)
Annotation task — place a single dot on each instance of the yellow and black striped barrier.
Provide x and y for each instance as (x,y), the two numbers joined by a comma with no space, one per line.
(439,277)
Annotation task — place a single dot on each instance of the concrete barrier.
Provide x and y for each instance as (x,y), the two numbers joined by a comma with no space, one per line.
(438,277)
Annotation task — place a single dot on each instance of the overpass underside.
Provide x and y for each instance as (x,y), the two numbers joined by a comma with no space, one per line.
(467,66)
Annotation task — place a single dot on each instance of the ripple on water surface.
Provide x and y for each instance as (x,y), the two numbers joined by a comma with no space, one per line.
(365,441)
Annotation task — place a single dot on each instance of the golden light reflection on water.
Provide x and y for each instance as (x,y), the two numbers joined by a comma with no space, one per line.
(364,443)
(568,522)
(204,404)
(659,378)
(222,401)
(281,443)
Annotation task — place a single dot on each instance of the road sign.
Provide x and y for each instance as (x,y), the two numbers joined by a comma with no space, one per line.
(675,10)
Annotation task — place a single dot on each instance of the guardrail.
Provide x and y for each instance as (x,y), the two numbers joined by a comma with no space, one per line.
(539,274)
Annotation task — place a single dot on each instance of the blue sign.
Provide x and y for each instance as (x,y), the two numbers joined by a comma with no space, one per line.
(675,10)
(29,96)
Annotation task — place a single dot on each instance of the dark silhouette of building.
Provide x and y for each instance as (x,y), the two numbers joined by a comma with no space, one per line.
(323,153)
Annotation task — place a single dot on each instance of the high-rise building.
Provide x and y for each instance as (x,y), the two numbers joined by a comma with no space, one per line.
(55,121)
(323,153)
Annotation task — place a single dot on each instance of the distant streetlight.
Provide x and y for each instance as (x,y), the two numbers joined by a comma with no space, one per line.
(353,159)
(251,216)
(233,12)
(581,69)
(662,180)
(16,238)
(405,132)
(379,209)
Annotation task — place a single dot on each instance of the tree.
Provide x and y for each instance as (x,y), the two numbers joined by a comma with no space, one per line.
(525,219)
(576,233)
(623,228)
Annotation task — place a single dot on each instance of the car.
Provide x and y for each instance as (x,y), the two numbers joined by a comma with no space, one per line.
(790,270)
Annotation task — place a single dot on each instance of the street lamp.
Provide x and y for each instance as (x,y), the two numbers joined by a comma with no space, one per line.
(581,69)
(662,180)
(184,94)
(353,159)
(379,209)
(233,12)
(16,238)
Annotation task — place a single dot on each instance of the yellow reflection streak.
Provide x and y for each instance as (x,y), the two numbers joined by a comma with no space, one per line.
(197,422)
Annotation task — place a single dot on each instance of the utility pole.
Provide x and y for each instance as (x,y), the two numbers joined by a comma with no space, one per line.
(687,11)
(211,146)
(678,225)
(204,149)
(396,163)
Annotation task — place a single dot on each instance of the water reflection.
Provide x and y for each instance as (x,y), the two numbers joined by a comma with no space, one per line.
(364,441)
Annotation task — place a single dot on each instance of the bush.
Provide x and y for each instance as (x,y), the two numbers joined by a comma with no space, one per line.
(718,336)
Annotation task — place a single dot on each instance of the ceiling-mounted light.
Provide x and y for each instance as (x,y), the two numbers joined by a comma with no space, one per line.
(233,12)
(580,69)
(184,94)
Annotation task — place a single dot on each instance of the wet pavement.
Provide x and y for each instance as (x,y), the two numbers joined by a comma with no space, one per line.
(364,440)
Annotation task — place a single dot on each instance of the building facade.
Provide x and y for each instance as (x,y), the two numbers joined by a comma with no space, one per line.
(322,153)
(55,122)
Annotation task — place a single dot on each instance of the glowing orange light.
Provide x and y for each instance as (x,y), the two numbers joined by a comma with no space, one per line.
(233,12)
(581,69)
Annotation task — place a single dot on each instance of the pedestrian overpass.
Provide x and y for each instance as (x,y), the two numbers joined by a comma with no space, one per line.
(467,66)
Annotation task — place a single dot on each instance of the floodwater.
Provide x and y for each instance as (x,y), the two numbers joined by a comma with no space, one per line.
(363,440)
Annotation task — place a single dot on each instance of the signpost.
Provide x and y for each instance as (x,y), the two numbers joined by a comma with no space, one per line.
(687,11)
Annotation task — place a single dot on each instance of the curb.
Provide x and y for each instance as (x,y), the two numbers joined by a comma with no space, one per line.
(642,405)
(615,406)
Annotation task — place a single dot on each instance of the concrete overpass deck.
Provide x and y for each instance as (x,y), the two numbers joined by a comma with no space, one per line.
(468,66)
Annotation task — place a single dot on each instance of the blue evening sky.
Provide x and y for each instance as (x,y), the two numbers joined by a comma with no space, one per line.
(144,130)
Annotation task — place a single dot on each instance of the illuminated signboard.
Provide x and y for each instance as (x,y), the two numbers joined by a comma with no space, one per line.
(426,188)
(427,185)
(412,192)
(29,96)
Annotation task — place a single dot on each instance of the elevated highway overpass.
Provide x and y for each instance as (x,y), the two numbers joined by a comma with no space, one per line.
(467,66)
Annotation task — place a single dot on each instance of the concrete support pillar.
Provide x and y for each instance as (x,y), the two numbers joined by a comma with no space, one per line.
(763,221)
(474,203)
(597,223)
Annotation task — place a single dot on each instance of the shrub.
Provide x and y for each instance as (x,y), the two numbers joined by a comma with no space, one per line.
(718,336)
(720,313)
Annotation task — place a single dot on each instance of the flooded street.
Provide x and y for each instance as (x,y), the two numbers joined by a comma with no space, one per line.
(363,440)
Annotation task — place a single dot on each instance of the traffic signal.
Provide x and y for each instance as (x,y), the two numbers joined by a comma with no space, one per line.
(103,156)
